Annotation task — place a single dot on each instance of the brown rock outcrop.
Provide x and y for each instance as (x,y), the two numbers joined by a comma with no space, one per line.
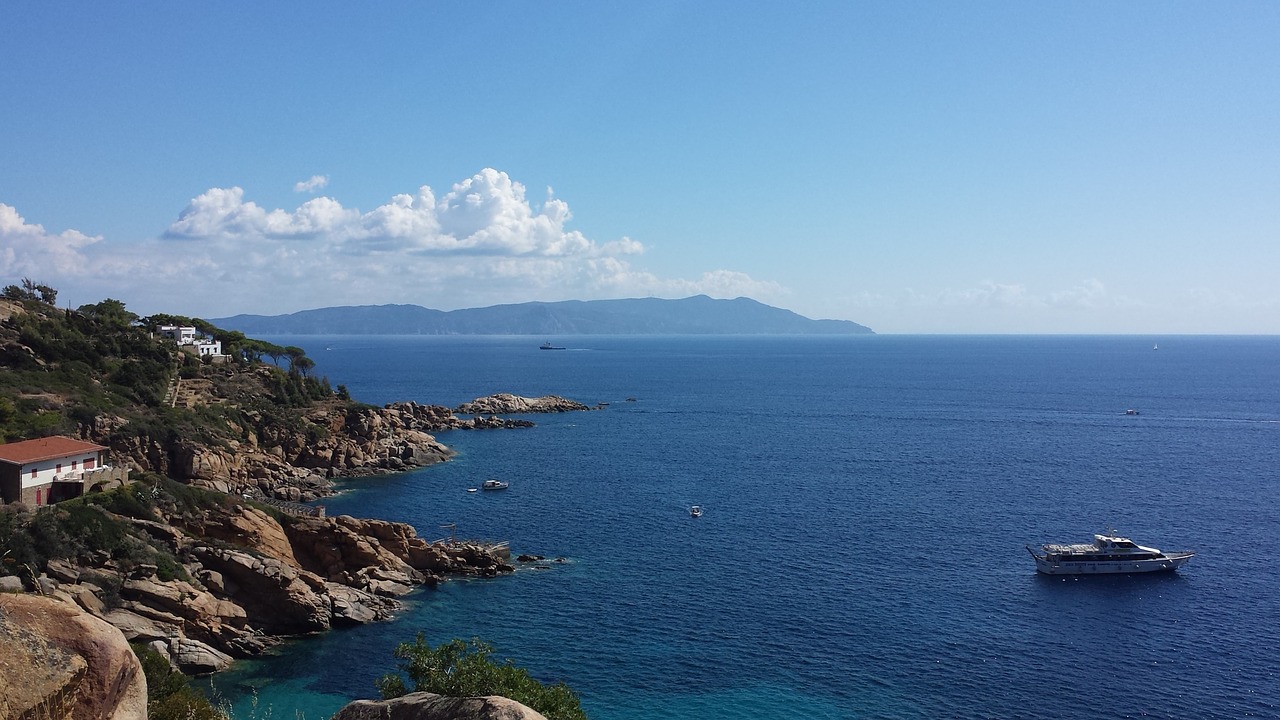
(252,577)
(281,599)
(249,575)
(295,462)
(508,404)
(429,706)
(56,662)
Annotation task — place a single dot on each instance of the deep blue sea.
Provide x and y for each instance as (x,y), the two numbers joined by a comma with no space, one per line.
(867,503)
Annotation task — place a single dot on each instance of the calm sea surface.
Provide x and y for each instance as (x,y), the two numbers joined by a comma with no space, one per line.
(867,503)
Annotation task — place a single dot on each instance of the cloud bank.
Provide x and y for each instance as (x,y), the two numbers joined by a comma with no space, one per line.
(29,250)
(481,243)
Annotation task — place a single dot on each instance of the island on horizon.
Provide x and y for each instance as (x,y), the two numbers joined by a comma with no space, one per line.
(698,315)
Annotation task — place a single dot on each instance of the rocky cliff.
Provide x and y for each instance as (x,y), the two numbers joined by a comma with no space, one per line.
(248,574)
(296,461)
(249,577)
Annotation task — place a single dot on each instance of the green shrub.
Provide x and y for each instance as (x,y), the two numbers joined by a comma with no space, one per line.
(466,669)
(169,692)
(135,500)
(85,526)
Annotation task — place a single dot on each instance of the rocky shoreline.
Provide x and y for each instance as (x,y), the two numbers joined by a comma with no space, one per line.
(251,575)
(250,579)
(300,464)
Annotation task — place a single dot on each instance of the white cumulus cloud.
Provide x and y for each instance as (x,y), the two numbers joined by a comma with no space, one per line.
(481,242)
(312,184)
(486,214)
(29,250)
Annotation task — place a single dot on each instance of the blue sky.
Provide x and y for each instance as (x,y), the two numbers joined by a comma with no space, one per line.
(930,167)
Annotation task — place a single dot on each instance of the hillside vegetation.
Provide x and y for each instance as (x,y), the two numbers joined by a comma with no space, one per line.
(62,371)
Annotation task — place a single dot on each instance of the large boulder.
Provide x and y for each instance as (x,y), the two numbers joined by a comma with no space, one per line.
(429,706)
(58,662)
(339,548)
(198,462)
(245,526)
(196,658)
(356,607)
(280,598)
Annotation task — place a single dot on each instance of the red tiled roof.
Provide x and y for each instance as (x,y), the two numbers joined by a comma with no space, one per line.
(28,451)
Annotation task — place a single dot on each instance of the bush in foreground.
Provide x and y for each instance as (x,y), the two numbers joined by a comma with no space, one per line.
(170,695)
(466,669)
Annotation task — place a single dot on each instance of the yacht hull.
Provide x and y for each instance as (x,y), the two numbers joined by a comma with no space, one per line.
(1084,566)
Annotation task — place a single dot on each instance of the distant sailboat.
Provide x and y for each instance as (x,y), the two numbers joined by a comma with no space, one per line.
(1156,346)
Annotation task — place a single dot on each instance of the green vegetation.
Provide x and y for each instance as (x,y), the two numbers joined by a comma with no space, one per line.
(62,370)
(96,525)
(462,669)
(30,290)
(170,695)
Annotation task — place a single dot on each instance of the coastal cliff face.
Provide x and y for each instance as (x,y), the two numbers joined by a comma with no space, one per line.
(246,575)
(249,577)
(297,461)
(291,461)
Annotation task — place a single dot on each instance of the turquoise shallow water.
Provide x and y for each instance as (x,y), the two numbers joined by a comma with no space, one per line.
(867,502)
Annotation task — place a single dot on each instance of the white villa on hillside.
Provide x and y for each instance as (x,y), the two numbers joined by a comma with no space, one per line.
(48,470)
(186,337)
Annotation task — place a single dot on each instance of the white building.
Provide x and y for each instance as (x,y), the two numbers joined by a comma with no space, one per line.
(187,338)
(180,335)
(46,470)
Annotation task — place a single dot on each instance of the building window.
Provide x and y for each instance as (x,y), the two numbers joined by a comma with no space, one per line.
(88,464)
(33,473)
(57,468)
(73,464)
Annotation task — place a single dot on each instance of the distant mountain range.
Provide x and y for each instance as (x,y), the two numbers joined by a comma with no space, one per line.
(699,315)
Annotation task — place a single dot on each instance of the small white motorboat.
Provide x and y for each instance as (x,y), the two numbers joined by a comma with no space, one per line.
(494,485)
(696,511)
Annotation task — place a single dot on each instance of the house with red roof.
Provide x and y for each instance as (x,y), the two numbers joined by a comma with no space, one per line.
(48,470)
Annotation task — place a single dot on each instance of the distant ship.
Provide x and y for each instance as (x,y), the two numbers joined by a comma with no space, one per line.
(549,346)
(1108,554)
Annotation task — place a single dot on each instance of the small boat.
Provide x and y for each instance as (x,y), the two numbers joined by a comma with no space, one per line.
(1156,346)
(1131,411)
(494,485)
(471,489)
(549,346)
(1108,554)
(696,511)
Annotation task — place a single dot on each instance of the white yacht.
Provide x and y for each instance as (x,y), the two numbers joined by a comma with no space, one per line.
(1107,554)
